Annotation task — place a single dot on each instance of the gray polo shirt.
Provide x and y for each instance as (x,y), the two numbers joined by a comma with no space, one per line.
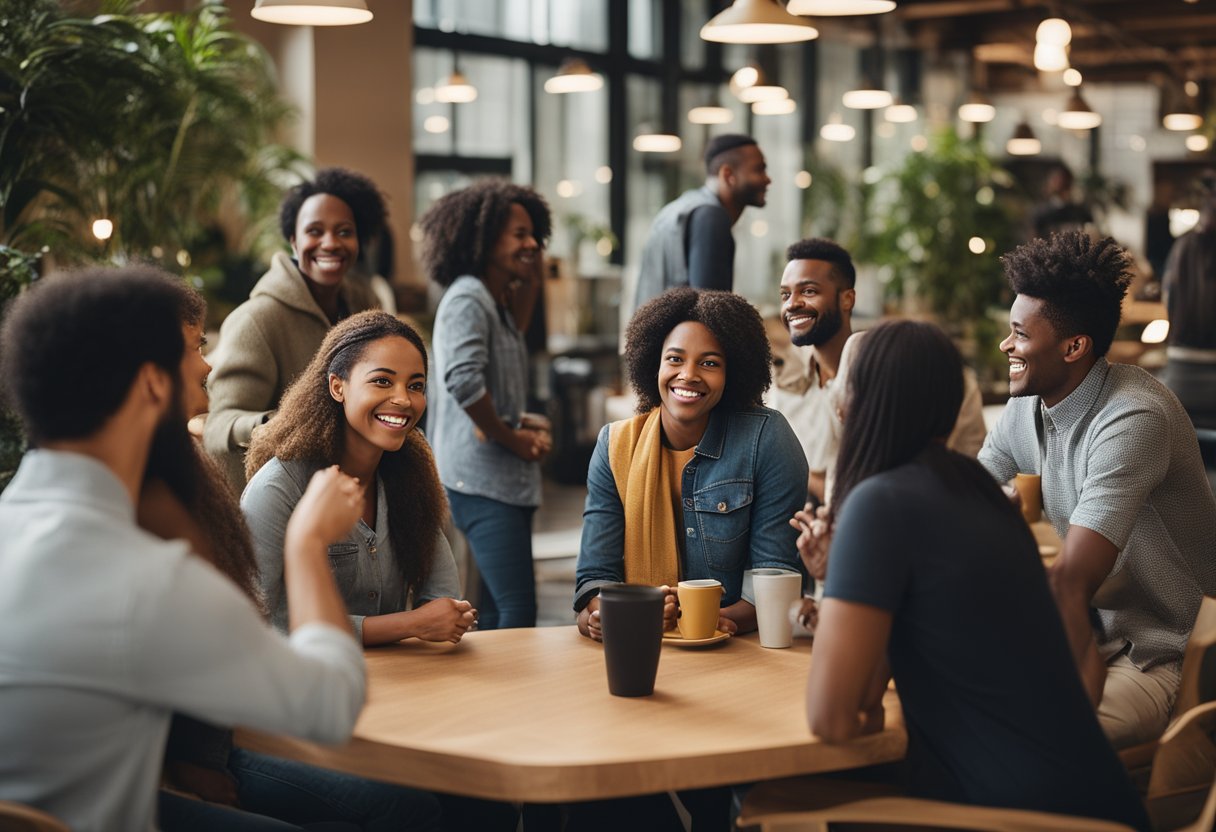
(1120,457)
(477,350)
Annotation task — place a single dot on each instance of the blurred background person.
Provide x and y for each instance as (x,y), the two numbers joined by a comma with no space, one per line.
(485,244)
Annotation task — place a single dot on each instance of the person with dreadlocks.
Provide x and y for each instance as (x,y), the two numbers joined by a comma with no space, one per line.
(485,244)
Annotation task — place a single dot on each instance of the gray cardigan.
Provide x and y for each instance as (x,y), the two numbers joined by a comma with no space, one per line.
(364,565)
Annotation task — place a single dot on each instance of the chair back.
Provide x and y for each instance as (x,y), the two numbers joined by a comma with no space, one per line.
(15,817)
(1199,661)
(1183,782)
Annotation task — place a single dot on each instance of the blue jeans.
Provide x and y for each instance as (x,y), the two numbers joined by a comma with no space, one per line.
(500,537)
(302,794)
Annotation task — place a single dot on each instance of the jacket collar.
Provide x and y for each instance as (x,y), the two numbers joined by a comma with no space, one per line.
(287,284)
(715,434)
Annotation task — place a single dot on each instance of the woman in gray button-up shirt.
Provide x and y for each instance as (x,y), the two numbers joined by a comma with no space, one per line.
(485,244)
(356,406)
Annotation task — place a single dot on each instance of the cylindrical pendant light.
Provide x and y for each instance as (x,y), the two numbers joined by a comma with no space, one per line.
(574,76)
(455,89)
(1077,115)
(977,109)
(834,8)
(1023,142)
(311,12)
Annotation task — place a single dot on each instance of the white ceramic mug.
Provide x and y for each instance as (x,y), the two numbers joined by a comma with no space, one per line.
(775,590)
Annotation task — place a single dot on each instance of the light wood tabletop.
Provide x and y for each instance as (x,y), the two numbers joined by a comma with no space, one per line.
(525,715)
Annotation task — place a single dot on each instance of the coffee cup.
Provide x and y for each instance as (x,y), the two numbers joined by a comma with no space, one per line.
(1030,489)
(775,591)
(700,603)
(631,619)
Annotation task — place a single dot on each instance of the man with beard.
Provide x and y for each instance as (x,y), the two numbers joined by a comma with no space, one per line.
(690,241)
(1123,482)
(817,298)
(108,629)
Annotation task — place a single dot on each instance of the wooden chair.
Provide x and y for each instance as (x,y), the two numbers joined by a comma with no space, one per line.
(1184,780)
(15,817)
(1198,685)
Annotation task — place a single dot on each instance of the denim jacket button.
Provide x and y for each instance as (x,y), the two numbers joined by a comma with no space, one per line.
(721,506)
(688,504)
(691,532)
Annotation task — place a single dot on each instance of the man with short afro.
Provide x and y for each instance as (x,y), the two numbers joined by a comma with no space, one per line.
(690,241)
(1122,480)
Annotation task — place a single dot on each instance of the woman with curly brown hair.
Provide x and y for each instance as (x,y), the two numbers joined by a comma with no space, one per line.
(701,483)
(356,405)
(485,244)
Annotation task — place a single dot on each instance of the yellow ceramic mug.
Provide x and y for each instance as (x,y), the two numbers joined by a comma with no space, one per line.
(700,602)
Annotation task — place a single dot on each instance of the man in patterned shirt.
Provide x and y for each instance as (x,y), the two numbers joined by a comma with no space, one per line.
(1123,481)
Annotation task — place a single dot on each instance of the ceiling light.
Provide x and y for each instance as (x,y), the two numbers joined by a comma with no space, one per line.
(803,179)
(710,114)
(757,21)
(763,92)
(1050,58)
(1072,77)
(648,141)
(775,107)
(1197,143)
(455,89)
(1023,142)
(311,12)
(103,229)
(436,124)
(832,8)
(1191,88)
(900,113)
(867,97)
(977,109)
(1183,116)
(836,131)
(1054,31)
(574,76)
(745,76)
(1155,332)
(1077,115)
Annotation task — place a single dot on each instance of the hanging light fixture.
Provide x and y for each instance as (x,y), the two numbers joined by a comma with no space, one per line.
(1077,114)
(977,109)
(311,12)
(455,89)
(1023,142)
(761,89)
(1054,31)
(1049,58)
(836,130)
(1181,113)
(775,107)
(757,21)
(574,76)
(711,112)
(900,113)
(833,8)
(648,140)
(867,97)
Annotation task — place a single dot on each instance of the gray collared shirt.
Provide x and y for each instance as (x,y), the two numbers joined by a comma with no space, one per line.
(108,630)
(366,570)
(477,350)
(1119,456)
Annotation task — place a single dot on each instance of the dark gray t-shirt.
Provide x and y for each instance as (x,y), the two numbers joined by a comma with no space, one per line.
(995,710)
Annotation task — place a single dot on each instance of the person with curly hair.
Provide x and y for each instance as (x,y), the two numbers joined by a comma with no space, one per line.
(1122,480)
(702,481)
(267,340)
(917,533)
(485,244)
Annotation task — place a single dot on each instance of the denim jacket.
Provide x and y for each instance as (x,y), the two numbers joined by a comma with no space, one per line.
(746,480)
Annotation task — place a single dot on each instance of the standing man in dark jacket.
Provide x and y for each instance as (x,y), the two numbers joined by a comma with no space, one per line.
(690,241)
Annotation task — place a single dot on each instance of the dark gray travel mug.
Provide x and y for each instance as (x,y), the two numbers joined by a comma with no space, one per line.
(632,621)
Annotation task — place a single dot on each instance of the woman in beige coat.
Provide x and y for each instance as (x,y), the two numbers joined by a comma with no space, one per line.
(269,339)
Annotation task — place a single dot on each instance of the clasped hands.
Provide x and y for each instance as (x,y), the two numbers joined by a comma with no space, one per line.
(589,617)
(814,540)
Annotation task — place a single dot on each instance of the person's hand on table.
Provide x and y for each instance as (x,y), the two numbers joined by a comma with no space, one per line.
(444,619)
(814,540)
(727,625)
(808,615)
(589,620)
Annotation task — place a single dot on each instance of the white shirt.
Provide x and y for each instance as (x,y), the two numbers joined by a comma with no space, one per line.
(108,630)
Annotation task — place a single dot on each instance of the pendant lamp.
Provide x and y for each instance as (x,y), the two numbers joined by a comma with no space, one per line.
(311,12)
(757,21)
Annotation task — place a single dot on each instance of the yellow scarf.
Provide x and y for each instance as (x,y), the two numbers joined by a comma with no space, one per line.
(635,455)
